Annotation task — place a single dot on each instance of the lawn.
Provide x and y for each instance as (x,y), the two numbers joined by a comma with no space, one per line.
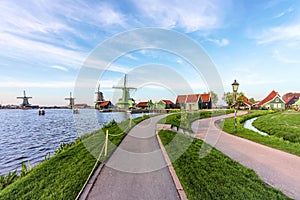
(282,125)
(271,141)
(215,176)
(63,175)
(184,120)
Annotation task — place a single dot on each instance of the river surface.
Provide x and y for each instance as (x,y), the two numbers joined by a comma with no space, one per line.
(24,135)
(248,125)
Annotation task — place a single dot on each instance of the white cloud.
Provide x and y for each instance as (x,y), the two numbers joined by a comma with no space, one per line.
(287,11)
(281,58)
(280,33)
(26,84)
(188,15)
(59,68)
(220,42)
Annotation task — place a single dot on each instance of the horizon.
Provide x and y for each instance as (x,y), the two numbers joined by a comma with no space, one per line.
(45,44)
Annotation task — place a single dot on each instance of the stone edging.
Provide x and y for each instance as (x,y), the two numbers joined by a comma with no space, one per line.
(176,181)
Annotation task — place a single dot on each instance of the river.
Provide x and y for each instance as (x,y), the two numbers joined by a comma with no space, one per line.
(24,135)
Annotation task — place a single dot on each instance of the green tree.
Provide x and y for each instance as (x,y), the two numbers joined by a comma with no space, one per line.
(214,98)
(252,100)
(228,97)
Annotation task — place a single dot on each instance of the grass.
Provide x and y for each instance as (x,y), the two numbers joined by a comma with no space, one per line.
(282,125)
(215,176)
(271,141)
(184,120)
(63,175)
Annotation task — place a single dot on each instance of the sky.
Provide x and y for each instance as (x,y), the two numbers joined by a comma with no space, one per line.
(46,43)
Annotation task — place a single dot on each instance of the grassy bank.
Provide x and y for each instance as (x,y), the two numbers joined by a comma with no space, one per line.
(215,176)
(271,141)
(282,125)
(184,120)
(63,176)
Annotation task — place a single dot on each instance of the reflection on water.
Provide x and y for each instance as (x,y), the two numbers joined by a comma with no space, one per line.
(24,135)
(248,125)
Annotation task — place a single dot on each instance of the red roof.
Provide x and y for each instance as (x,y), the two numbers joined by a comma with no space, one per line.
(205,97)
(289,99)
(168,102)
(270,97)
(142,104)
(192,98)
(105,103)
(246,101)
(181,98)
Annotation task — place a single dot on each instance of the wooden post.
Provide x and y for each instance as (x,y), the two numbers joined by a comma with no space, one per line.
(106,141)
(142,115)
(130,122)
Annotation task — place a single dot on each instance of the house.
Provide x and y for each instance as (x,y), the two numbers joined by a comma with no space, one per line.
(244,103)
(290,101)
(105,105)
(272,101)
(296,105)
(164,104)
(143,105)
(290,94)
(206,102)
(194,101)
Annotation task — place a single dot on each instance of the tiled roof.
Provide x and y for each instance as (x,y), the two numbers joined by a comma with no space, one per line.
(105,103)
(205,97)
(270,97)
(168,102)
(181,98)
(142,104)
(246,101)
(192,98)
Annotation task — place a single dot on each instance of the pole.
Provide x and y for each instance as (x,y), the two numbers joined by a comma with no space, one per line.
(106,141)
(235,111)
(130,123)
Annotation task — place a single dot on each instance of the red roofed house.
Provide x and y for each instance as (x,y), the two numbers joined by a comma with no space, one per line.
(105,105)
(272,101)
(244,103)
(194,101)
(290,101)
(143,104)
(164,104)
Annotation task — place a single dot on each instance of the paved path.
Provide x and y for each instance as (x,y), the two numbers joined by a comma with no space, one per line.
(136,170)
(277,168)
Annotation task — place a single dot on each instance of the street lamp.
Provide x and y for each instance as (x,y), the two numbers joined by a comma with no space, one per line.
(235,87)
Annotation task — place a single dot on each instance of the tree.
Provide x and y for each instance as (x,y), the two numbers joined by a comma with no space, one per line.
(214,98)
(252,100)
(229,98)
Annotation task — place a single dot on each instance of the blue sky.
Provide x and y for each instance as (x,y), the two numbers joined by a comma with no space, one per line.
(44,44)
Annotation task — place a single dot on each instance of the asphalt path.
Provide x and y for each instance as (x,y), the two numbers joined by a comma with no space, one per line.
(277,168)
(136,170)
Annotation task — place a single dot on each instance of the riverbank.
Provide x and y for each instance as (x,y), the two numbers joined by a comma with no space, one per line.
(63,175)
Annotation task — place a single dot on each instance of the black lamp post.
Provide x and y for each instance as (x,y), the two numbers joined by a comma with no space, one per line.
(235,87)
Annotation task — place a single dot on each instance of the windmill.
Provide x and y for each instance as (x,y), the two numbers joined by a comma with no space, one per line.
(25,100)
(71,100)
(124,101)
(100,98)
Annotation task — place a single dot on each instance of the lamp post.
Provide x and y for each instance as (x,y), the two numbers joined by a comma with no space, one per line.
(235,87)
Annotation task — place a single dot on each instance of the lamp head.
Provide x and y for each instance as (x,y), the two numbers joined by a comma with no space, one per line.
(235,86)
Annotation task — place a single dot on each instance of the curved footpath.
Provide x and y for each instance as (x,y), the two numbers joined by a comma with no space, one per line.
(136,170)
(277,168)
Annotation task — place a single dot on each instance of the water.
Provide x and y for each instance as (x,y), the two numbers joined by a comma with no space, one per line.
(248,125)
(24,135)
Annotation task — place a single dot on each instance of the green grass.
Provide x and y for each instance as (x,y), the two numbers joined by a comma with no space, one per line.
(184,120)
(282,125)
(215,176)
(271,141)
(63,175)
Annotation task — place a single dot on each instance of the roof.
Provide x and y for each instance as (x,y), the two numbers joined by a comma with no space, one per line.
(269,98)
(105,103)
(205,97)
(246,101)
(142,104)
(181,98)
(291,100)
(168,102)
(193,98)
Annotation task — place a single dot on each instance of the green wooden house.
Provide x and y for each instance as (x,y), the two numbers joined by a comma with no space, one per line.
(272,101)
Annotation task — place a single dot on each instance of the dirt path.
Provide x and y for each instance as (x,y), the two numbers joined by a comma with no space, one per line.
(277,168)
